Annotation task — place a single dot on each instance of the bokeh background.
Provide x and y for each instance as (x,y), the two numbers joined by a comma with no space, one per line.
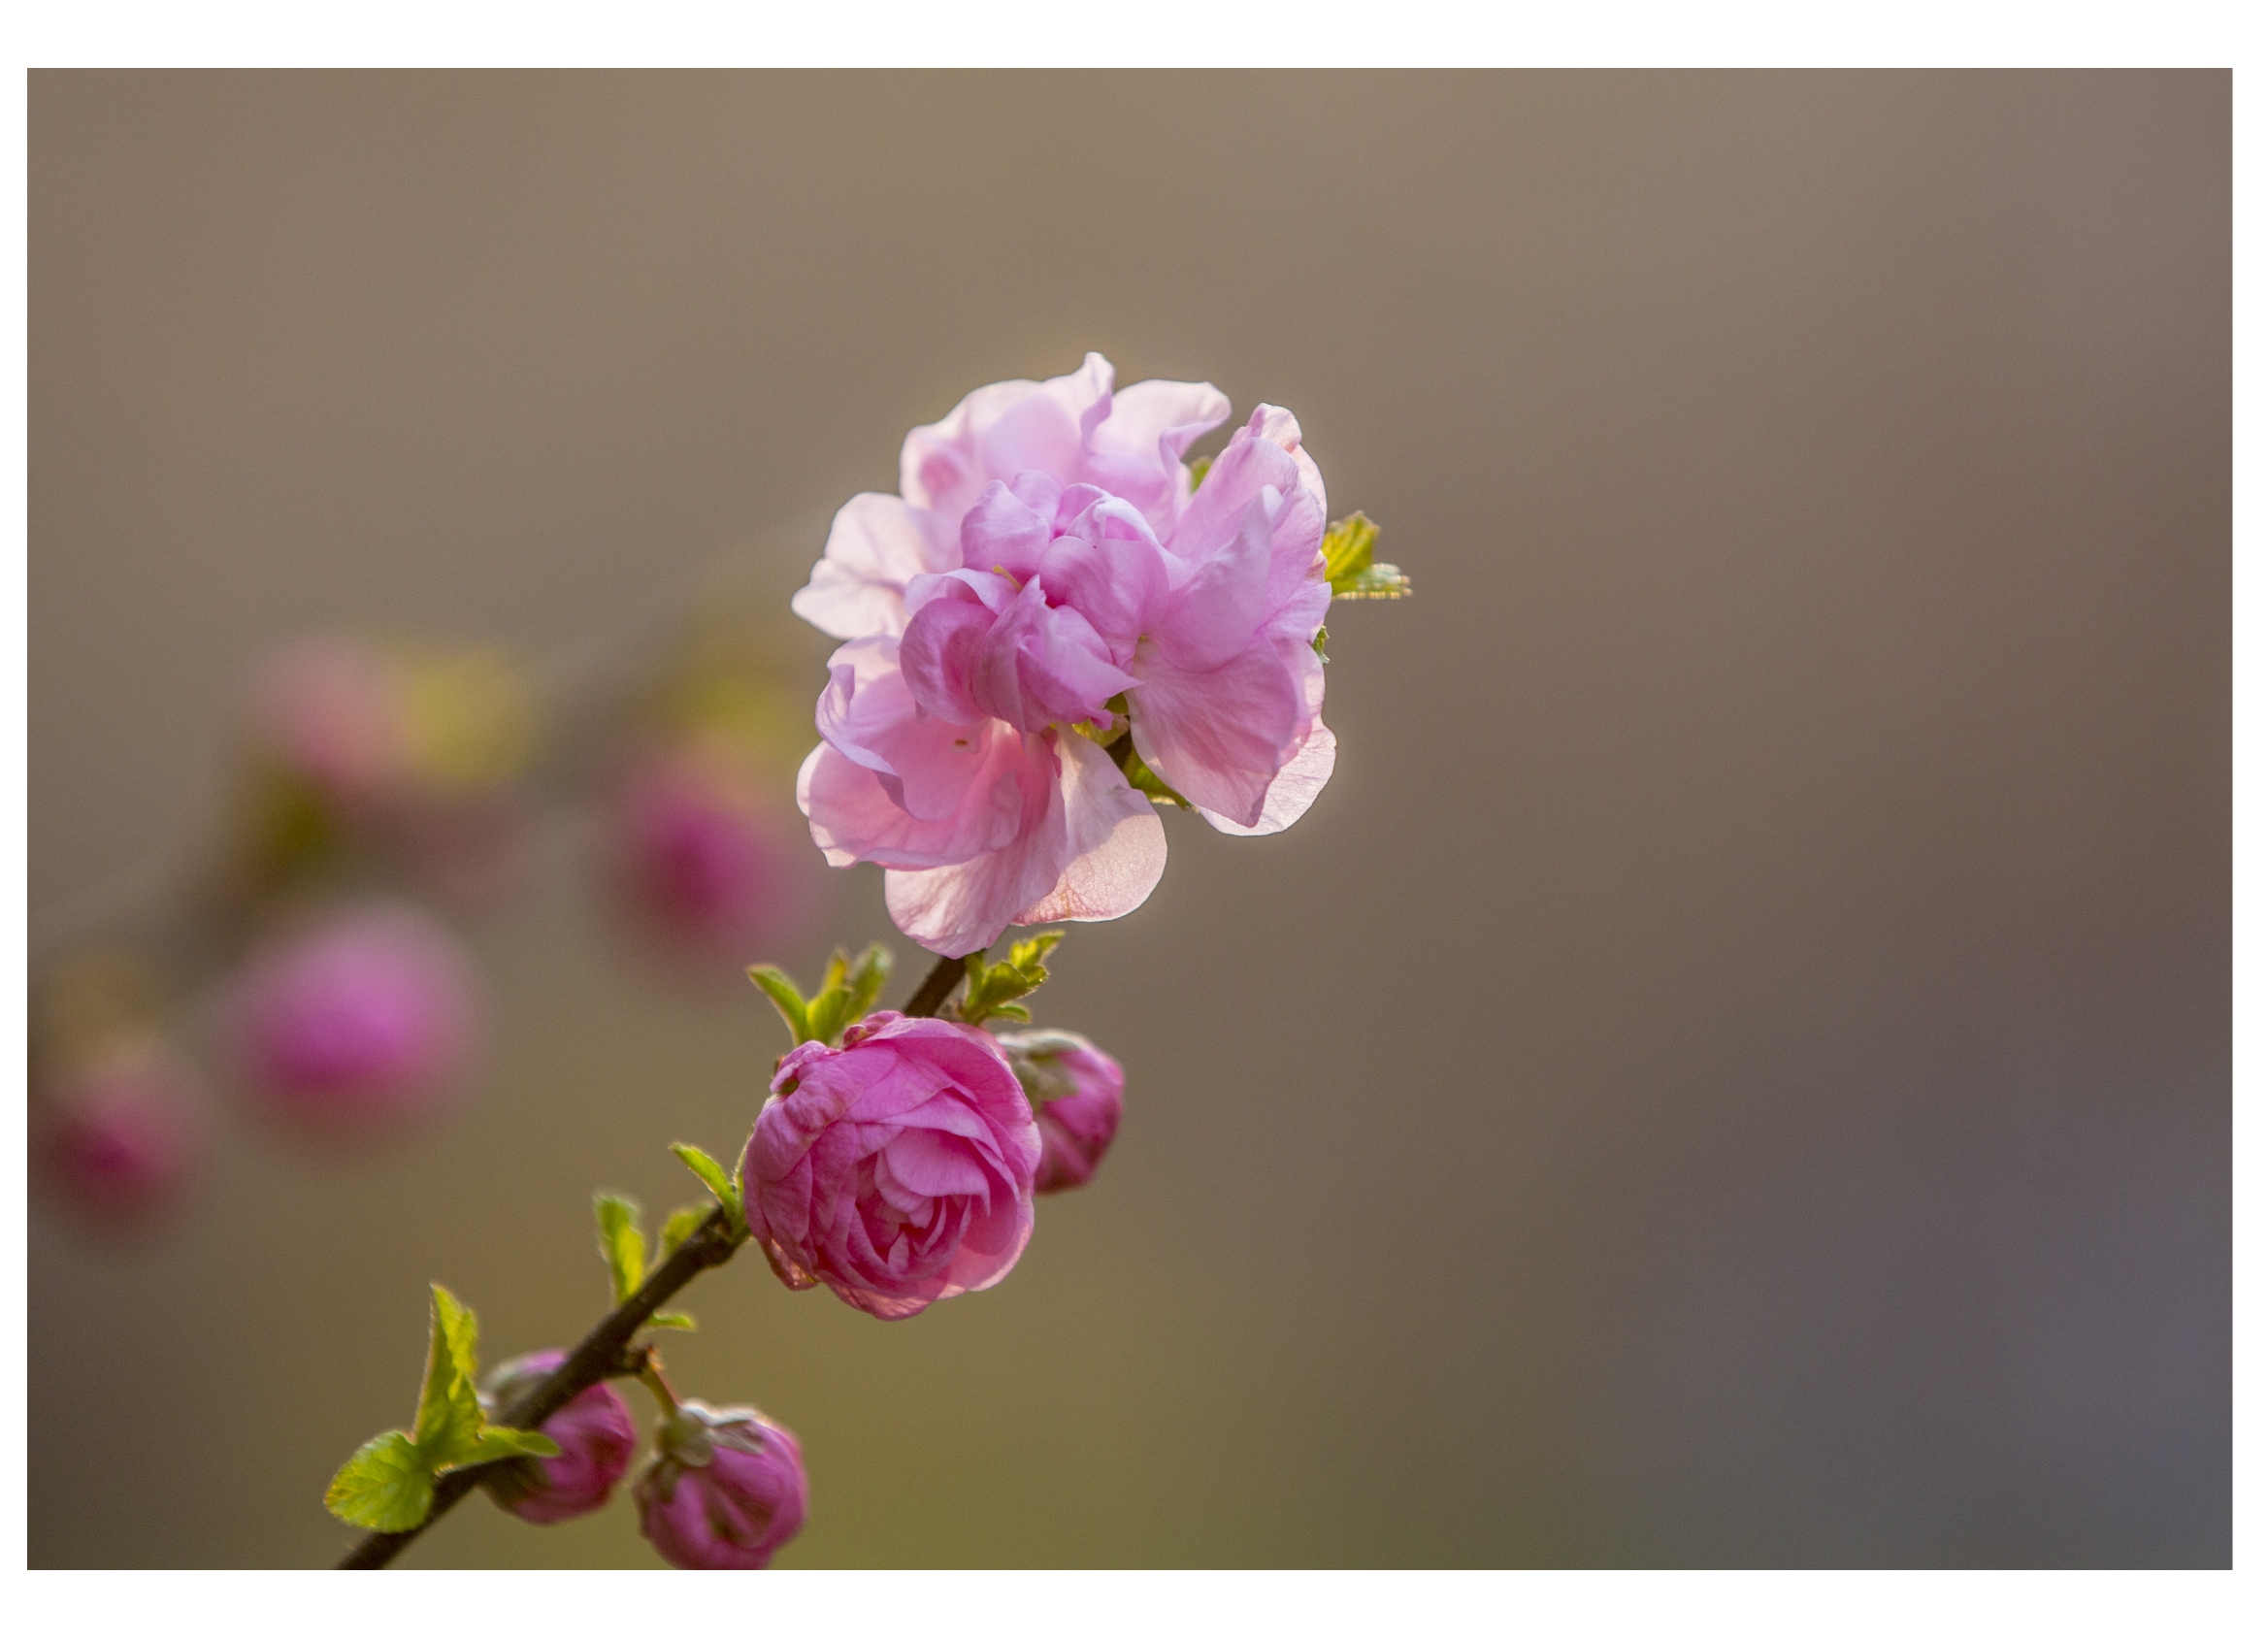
(1734,1070)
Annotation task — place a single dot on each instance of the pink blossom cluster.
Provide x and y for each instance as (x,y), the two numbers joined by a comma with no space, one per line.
(1047,578)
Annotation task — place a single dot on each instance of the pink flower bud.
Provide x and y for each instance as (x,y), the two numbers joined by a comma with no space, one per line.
(360,1022)
(896,1169)
(118,1134)
(726,1490)
(1077,1094)
(596,1443)
(705,859)
(334,714)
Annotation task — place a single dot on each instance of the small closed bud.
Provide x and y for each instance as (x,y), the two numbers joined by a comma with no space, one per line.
(117,1134)
(596,1437)
(1077,1094)
(726,1490)
(705,859)
(361,1022)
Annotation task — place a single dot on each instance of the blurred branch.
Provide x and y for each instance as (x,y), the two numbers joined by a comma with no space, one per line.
(606,1349)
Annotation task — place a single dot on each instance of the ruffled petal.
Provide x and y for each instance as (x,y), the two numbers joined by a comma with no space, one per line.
(1218,737)
(1119,841)
(962,906)
(876,545)
(854,817)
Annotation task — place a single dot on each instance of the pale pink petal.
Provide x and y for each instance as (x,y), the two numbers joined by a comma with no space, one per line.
(1137,451)
(877,544)
(853,817)
(960,907)
(1118,584)
(1120,844)
(1212,615)
(1000,531)
(870,714)
(1293,790)
(1219,737)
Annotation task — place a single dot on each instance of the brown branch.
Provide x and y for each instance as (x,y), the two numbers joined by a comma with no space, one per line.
(604,1351)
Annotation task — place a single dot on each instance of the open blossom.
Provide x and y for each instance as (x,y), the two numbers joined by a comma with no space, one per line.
(596,1443)
(726,1490)
(1047,557)
(1077,1094)
(363,1020)
(897,1168)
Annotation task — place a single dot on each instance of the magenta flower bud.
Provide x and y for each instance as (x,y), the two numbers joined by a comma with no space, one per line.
(725,1491)
(1077,1094)
(118,1134)
(896,1169)
(333,713)
(359,1023)
(596,1443)
(705,859)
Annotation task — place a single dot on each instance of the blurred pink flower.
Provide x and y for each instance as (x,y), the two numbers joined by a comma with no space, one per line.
(1046,555)
(596,1443)
(726,1490)
(331,711)
(367,1019)
(896,1169)
(118,1136)
(1077,1094)
(705,859)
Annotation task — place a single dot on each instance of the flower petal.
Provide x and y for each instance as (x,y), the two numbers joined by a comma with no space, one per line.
(876,545)
(1119,841)
(1218,737)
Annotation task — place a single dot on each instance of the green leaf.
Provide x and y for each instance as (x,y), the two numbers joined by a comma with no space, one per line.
(676,1320)
(385,1487)
(710,1172)
(1198,469)
(867,975)
(1346,548)
(1376,580)
(786,999)
(681,1225)
(994,987)
(829,1011)
(497,1441)
(448,1410)
(1322,637)
(621,1243)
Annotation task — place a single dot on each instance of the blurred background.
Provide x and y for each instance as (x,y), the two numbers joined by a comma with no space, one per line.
(1734,1070)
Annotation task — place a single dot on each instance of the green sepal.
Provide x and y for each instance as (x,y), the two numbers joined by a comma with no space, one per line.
(385,1487)
(725,1187)
(1377,580)
(681,1225)
(1198,469)
(785,998)
(449,1409)
(621,1243)
(675,1321)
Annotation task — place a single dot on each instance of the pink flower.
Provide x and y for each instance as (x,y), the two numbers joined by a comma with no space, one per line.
(1077,1093)
(365,1019)
(333,713)
(1047,555)
(896,1169)
(118,1134)
(704,858)
(596,1443)
(727,1490)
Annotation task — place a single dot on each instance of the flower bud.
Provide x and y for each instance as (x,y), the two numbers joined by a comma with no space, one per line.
(705,859)
(118,1134)
(725,1491)
(1077,1093)
(362,1021)
(596,1442)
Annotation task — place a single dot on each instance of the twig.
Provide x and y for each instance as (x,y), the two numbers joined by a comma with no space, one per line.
(604,1351)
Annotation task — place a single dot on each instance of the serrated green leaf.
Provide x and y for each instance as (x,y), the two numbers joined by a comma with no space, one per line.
(1346,548)
(621,1243)
(678,1226)
(385,1487)
(710,1172)
(786,999)
(676,1320)
(1374,580)
(448,1408)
